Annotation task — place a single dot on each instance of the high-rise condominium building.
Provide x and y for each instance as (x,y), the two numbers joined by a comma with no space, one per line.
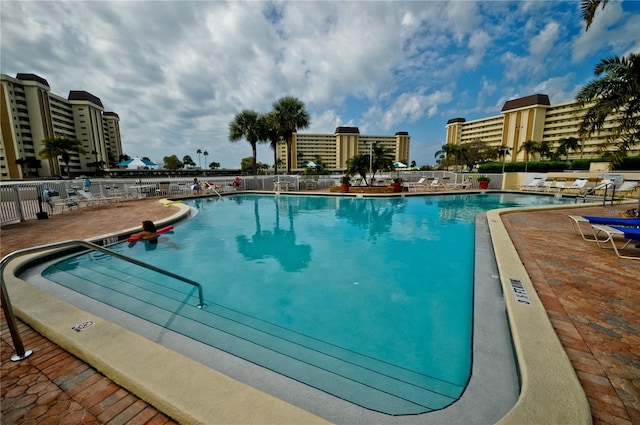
(532,118)
(31,113)
(335,149)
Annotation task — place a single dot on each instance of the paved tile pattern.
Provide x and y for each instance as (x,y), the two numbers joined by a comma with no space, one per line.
(53,387)
(590,295)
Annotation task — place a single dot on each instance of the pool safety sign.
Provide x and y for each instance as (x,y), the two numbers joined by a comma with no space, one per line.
(82,326)
(519,292)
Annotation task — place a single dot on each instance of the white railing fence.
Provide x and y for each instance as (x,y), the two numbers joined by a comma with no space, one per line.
(20,201)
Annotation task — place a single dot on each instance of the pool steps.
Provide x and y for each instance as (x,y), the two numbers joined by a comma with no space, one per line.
(362,380)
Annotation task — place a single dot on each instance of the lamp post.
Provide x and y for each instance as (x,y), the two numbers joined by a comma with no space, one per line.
(370,157)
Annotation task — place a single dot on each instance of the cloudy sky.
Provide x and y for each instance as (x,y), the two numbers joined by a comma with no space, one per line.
(177,72)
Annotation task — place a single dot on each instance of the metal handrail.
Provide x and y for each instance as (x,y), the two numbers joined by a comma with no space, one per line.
(6,302)
(593,190)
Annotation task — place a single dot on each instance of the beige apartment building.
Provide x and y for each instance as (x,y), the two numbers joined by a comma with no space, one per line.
(335,149)
(530,118)
(30,113)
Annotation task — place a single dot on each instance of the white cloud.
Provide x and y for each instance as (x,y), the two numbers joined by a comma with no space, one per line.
(177,72)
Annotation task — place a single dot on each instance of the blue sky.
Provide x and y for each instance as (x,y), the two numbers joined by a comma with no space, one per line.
(178,72)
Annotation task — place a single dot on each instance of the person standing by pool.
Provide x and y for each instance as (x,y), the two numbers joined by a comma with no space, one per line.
(195,187)
(236,182)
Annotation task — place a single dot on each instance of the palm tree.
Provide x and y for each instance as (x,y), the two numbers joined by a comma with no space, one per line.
(566,145)
(205,154)
(187,161)
(358,164)
(544,149)
(615,95)
(528,147)
(62,146)
(458,152)
(248,124)
(274,137)
(291,116)
(199,151)
(381,159)
(588,8)
(443,154)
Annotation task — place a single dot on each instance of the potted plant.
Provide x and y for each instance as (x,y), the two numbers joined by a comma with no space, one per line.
(397,184)
(345,182)
(483,181)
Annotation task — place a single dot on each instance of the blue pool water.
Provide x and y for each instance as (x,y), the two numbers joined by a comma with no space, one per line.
(367,299)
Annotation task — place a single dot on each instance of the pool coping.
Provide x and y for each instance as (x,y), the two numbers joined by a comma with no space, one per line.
(547,394)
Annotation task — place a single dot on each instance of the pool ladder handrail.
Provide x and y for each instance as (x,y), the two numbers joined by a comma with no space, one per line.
(593,190)
(6,302)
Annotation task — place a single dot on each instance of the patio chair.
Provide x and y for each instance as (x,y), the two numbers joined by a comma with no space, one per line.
(546,185)
(559,185)
(414,185)
(435,184)
(163,189)
(576,221)
(629,234)
(627,188)
(577,184)
(534,184)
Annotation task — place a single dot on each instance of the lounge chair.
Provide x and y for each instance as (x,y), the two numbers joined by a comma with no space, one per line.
(466,183)
(628,233)
(534,184)
(559,185)
(627,188)
(414,185)
(607,221)
(577,184)
(435,184)
(92,199)
(546,185)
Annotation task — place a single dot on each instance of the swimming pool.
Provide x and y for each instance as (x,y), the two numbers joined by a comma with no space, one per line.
(367,299)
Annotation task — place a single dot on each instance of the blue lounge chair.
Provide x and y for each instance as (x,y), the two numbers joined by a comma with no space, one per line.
(628,233)
(607,221)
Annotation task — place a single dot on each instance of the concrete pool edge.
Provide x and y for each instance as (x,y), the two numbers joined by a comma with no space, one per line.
(548,394)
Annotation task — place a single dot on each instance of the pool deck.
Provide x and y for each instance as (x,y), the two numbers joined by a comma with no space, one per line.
(589,294)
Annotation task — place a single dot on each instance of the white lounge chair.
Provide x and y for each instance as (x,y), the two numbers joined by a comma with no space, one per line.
(577,184)
(92,199)
(559,185)
(627,188)
(629,234)
(534,184)
(412,186)
(435,183)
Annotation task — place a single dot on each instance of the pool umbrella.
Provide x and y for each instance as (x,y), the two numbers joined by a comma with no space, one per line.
(399,164)
(310,164)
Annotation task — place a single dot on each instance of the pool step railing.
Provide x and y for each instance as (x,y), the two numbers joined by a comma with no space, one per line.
(325,366)
(21,353)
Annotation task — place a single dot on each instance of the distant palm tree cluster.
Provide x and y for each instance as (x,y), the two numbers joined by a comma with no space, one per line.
(287,117)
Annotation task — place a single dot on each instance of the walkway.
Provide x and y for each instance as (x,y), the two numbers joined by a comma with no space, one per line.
(590,295)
